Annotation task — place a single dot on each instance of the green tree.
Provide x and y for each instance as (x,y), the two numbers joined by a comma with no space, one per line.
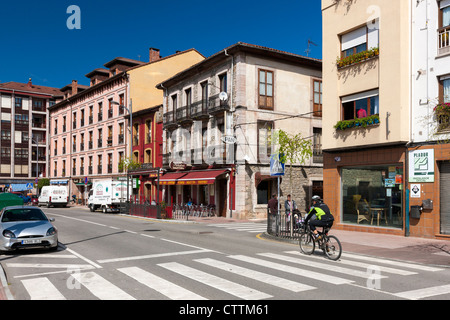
(127,164)
(292,148)
(43,182)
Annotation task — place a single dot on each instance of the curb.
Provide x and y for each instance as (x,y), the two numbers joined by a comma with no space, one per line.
(5,293)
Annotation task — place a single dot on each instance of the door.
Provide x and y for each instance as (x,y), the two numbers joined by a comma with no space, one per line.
(222,198)
(445,197)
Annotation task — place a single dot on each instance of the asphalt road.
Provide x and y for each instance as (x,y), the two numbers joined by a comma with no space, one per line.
(105,256)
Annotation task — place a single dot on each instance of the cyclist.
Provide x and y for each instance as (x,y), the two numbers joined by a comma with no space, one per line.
(320,215)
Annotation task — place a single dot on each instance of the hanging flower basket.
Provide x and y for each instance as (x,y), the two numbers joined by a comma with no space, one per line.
(442,113)
(357,123)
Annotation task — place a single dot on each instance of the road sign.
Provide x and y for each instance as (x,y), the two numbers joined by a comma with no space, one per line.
(29,186)
(276,167)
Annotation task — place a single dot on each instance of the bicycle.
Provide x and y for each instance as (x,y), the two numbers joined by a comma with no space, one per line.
(330,245)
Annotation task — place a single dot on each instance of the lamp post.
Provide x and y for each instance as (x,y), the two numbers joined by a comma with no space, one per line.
(131,139)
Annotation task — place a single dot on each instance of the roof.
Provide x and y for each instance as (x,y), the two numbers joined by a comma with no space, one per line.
(97,71)
(25,88)
(249,48)
(117,76)
(79,86)
(122,60)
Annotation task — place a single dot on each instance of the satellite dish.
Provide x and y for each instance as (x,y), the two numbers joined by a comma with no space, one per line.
(223,96)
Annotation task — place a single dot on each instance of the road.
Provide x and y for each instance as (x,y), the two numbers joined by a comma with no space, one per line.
(105,256)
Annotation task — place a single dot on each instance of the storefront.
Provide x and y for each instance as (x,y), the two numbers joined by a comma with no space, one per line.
(372,195)
(365,189)
(209,187)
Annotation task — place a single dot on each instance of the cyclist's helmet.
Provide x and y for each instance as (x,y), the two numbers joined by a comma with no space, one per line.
(316,198)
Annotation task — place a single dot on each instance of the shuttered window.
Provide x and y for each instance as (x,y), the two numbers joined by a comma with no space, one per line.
(266,89)
(445,197)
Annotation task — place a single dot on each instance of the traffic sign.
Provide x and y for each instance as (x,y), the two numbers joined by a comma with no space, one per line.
(276,166)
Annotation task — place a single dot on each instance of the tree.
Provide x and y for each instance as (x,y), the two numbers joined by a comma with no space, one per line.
(43,182)
(292,148)
(127,164)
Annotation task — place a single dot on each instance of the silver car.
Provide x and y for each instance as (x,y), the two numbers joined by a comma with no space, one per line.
(23,227)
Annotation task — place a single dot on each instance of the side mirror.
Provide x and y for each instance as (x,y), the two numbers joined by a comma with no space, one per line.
(51,219)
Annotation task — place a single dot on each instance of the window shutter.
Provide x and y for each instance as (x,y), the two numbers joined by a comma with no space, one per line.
(354,38)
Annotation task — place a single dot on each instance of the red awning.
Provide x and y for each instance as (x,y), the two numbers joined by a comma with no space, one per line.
(171,178)
(200,177)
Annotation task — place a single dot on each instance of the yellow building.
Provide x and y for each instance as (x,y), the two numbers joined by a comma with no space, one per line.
(366,112)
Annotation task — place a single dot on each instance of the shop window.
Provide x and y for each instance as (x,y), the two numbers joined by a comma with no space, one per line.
(372,195)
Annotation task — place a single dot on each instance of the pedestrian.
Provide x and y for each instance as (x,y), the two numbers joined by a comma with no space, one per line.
(289,206)
(273,204)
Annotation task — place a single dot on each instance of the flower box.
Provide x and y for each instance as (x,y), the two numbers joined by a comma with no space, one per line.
(357,58)
(442,112)
(357,123)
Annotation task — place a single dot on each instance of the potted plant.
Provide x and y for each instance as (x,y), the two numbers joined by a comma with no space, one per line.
(357,57)
(357,123)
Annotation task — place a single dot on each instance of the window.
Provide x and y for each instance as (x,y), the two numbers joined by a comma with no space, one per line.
(373,195)
(148,131)
(223,82)
(205,96)
(317,145)
(317,88)
(444,94)
(360,105)
(360,40)
(264,144)
(266,92)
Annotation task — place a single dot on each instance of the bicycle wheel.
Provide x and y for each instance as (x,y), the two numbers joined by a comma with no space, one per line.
(307,244)
(333,248)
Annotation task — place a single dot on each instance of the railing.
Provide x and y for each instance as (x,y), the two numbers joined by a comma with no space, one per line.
(279,225)
(144,210)
(216,105)
(444,40)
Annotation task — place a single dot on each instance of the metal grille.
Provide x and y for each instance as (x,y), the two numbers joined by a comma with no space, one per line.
(445,198)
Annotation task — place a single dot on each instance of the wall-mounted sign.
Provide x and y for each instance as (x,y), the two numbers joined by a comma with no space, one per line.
(421,165)
(415,191)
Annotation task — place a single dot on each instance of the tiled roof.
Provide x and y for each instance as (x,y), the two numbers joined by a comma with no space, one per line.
(24,87)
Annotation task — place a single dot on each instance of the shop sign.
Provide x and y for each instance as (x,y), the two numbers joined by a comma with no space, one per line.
(421,165)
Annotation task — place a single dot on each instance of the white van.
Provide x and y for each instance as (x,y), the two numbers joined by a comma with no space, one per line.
(54,196)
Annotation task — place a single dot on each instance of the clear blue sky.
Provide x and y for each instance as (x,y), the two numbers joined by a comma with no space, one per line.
(40,46)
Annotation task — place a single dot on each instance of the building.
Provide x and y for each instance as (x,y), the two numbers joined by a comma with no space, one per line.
(89,136)
(430,129)
(382,71)
(24,136)
(218,115)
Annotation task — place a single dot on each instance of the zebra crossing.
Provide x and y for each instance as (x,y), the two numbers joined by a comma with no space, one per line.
(252,227)
(257,277)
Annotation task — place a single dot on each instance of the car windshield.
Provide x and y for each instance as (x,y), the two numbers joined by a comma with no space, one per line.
(24,214)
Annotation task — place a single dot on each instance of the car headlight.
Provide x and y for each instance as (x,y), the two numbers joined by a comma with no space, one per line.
(51,231)
(8,234)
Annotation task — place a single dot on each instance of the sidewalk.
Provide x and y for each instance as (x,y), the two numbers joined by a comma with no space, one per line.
(408,249)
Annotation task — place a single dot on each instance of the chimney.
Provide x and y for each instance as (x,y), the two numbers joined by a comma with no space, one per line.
(154,55)
(30,84)
(74,87)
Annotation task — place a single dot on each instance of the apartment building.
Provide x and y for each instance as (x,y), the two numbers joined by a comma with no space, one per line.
(430,110)
(24,137)
(383,67)
(218,116)
(89,136)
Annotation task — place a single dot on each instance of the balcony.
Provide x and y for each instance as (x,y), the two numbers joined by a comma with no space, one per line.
(443,40)
(121,139)
(217,106)
(99,143)
(199,110)
(90,170)
(169,120)
(183,116)
(100,116)
(99,169)
(109,141)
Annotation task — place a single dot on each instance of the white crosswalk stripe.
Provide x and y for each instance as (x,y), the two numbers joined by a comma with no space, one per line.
(251,227)
(259,276)
(101,288)
(227,286)
(42,289)
(169,289)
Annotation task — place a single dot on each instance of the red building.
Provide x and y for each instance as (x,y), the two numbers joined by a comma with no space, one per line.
(147,150)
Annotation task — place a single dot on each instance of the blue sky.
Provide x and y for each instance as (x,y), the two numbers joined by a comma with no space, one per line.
(41,46)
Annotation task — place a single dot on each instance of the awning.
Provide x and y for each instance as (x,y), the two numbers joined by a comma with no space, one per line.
(200,177)
(171,178)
